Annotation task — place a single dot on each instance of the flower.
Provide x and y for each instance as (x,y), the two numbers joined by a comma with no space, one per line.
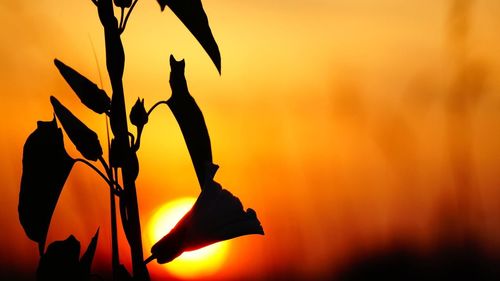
(217,215)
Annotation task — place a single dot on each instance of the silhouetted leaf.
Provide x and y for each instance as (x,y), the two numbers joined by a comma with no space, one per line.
(123,274)
(62,260)
(46,166)
(138,115)
(217,215)
(88,92)
(192,15)
(83,138)
(190,119)
(88,256)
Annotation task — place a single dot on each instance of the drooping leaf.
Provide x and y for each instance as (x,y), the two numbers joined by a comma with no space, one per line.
(190,119)
(83,138)
(46,166)
(88,92)
(217,215)
(192,15)
(88,256)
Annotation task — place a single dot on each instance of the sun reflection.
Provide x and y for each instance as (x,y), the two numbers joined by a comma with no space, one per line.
(193,264)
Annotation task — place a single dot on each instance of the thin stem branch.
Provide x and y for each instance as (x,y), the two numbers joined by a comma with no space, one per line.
(122,11)
(122,27)
(155,105)
(110,174)
(132,138)
(108,181)
(106,167)
(115,254)
(137,144)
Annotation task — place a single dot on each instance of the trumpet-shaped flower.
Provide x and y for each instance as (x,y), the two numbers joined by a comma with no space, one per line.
(217,215)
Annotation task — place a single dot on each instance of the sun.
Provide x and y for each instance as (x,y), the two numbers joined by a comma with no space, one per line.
(193,264)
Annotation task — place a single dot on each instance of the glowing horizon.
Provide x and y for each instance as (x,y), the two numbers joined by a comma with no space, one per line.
(332,119)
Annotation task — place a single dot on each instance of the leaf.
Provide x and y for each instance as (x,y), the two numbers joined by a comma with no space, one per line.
(88,92)
(88,256)
(217,215)
(190,119)
(192,15)
(123,274)
(60,262)
(46,166)
(83,138)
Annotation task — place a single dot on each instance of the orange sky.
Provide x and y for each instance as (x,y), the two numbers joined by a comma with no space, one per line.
(331,119)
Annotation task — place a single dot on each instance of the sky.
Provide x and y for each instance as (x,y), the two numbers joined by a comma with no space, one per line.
(349,126)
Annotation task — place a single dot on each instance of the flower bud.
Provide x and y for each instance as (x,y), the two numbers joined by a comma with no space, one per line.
(138,115)
(123,3)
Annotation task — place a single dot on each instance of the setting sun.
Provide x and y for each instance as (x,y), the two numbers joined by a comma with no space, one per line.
(193,264)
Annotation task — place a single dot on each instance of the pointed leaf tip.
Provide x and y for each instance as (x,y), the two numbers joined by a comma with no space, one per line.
(61,260)
(193,16)
(88,256)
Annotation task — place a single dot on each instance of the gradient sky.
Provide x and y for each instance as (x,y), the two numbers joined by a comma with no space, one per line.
(333,119)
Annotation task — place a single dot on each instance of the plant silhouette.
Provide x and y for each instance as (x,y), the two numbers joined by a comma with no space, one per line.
(217,214)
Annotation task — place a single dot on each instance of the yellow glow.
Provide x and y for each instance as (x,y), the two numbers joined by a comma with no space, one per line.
(193,264)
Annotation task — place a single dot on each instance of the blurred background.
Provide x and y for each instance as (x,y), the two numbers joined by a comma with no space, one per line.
(364,133)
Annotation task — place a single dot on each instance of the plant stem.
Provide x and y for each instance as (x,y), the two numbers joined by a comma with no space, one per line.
(115,255)
(115,61)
